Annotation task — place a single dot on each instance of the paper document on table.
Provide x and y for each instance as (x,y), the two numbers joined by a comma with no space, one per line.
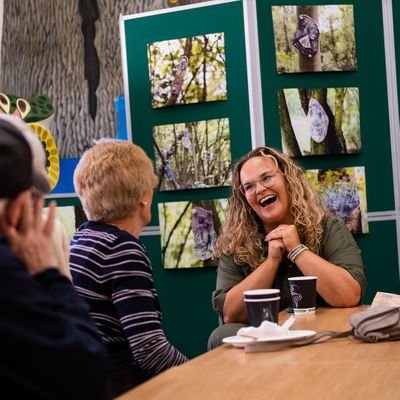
(386,299)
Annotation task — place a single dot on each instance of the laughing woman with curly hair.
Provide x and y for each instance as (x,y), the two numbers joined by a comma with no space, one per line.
(274,212)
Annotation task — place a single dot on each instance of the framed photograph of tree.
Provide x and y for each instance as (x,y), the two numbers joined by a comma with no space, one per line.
(320,121)
(193,155)
(189,231)
(312,38)
(187,70)
(66,215)
(343,191)
(70,216)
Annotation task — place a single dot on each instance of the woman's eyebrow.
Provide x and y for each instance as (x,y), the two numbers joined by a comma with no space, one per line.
(260,176)
(267,173)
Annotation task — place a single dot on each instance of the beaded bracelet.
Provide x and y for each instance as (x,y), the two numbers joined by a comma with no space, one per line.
(292,255)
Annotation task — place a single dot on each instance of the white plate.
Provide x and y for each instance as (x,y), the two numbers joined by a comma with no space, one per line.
(238,341)
(293,335)
(241,341)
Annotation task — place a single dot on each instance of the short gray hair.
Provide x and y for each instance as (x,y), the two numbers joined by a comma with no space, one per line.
(111,179)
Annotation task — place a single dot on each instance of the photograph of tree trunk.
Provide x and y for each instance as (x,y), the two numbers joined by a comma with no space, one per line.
(320,121)
(314,38)
(193,155)
(187,70)
(343,192)
(189,231)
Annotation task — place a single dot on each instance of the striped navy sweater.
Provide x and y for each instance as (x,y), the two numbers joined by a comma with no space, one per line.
(112,272)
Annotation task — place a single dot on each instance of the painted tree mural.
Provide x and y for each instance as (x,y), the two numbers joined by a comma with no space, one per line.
(70,50)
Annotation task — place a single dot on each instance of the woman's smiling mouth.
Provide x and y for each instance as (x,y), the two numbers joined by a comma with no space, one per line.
(266,201)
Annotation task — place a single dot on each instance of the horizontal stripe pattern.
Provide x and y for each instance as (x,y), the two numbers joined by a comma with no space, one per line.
(112,272)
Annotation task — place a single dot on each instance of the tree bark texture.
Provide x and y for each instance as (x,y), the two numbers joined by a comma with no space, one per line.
(340,94)
(307,64)
(210,205)
(287,132)
(42,52)
(331,144)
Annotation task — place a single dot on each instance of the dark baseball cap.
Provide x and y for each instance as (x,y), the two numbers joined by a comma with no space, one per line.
(22,158)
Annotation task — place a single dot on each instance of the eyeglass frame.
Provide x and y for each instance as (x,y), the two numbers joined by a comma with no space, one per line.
(271,174)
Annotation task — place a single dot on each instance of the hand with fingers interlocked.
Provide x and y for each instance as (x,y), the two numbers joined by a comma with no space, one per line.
(287,234)
(276,249)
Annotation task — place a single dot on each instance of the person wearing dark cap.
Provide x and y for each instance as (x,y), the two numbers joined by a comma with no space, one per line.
(41,187)
(49,348)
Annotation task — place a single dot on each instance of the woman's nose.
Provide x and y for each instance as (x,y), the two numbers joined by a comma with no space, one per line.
(260,186)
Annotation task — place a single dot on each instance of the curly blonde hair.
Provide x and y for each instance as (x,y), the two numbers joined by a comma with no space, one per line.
(243,233)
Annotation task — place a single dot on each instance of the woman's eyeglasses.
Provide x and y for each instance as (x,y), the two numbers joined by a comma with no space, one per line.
(266,180)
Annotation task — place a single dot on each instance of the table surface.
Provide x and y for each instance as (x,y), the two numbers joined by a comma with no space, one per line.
(344,368)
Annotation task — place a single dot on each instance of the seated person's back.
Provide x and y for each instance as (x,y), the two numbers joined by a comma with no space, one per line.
(110,267)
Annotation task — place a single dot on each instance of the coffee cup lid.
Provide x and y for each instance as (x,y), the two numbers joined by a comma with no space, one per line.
(301,278)
(260,291)
(261,300)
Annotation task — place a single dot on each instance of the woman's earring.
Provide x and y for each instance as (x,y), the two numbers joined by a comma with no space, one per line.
(144,202)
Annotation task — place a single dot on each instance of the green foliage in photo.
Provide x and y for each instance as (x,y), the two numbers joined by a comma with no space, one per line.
(187,70)
(178,242)
(337,37)
(193,155)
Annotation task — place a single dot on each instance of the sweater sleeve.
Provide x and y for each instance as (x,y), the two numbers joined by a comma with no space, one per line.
(340,248)
(50,347)
(136,303)
(229,274)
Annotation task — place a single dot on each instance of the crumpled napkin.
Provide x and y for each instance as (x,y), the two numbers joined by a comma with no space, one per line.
(265,330)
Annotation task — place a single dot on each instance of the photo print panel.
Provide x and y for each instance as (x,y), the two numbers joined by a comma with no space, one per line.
(314,38)
(67,217)
(71,217)
(189,231)
(187,70)
(193,155)
(319,121)
(343,191)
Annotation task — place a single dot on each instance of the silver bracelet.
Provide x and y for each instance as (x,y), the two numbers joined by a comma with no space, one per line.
(292,255)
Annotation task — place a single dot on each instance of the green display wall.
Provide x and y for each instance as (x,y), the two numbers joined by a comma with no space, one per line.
(396,24)
(379,246)
(185,294)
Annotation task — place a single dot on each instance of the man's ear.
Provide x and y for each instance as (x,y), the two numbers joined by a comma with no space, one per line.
(15,206)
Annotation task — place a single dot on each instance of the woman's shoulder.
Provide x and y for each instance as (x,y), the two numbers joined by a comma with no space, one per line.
(226,260)
(227,264)
(110,241)
(332,222)
(335,230)
(107,233)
